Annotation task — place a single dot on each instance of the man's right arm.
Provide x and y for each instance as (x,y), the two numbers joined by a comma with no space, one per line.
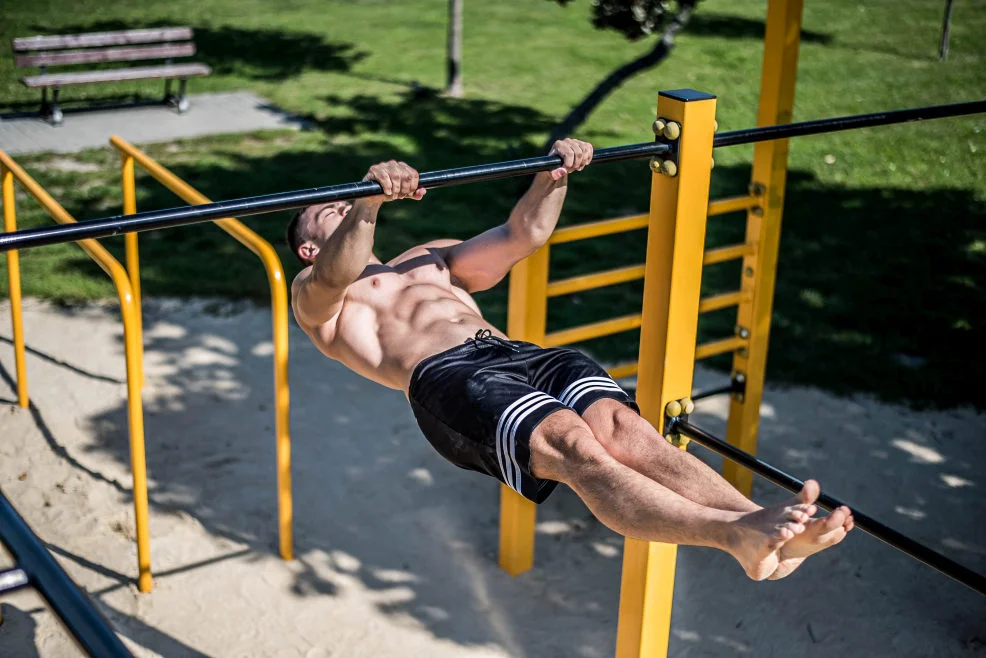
(341,258)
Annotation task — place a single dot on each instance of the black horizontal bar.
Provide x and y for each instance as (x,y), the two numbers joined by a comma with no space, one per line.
(852,122)
(83,621)
(882,532)
(256,205)
(12,580)
(701,395)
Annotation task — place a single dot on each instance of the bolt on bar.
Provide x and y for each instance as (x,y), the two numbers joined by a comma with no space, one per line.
(853,122)
(84,622)
(884,533)
(157,219)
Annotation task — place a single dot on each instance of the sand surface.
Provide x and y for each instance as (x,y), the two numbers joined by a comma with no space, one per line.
(396,548)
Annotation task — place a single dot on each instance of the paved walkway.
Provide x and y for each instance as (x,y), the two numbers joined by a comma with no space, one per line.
(210,114)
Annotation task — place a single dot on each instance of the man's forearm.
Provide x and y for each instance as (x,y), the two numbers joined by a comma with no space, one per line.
(534,217)
(342,258)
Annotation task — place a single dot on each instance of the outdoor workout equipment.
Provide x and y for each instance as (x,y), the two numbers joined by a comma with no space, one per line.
(681,162)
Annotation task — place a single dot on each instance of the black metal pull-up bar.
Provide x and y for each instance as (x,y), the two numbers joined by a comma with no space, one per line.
(36,567)
(882,532)
(256,205)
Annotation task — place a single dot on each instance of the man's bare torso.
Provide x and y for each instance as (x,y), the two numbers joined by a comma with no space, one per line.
(397,314)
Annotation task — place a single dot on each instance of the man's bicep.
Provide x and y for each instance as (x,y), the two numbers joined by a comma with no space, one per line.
(481,262)
(315,302)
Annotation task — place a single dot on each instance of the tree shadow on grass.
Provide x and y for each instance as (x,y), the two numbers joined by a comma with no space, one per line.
(704,24)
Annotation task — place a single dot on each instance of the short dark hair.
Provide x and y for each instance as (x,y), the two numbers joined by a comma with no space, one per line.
(297,234)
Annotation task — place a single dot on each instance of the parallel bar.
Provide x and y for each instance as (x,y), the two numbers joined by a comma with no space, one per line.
(86,624)
(12,580)
(705,350)
(279,314)
(723,254)
(592,330)
(732,204)
(884,533)
(598,280)
(852,122)
(157,219)
(717,302)
(596,229)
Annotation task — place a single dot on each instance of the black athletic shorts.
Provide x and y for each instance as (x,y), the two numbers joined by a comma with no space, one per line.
(479,402)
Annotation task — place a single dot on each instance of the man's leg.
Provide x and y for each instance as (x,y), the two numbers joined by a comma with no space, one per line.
(564,449)
(634,442)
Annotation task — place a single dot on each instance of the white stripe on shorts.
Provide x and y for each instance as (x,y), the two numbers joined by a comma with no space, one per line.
(571,393)
(505,436)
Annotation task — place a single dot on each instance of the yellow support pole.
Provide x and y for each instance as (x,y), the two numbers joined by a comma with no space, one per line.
(132,253)
(14,285)
(672,288)
(279,318)
(763,229)
(526,320)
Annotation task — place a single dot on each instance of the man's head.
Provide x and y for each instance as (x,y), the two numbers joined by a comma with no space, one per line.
(311,226)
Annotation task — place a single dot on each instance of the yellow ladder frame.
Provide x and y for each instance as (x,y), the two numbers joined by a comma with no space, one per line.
(763,231)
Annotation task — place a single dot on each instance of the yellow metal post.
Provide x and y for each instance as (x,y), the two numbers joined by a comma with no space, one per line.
(672,288)
(526,320)
(133,256)
(763,229)
(14,285)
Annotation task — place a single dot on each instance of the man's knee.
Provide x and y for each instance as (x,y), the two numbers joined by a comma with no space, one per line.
(621,430)
(562,445)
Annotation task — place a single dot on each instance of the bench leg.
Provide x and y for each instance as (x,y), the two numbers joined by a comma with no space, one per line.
(50,111)
(181,101)
(167,90)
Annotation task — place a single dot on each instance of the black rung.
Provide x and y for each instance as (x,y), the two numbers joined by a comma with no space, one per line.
(852,122)
(882,532)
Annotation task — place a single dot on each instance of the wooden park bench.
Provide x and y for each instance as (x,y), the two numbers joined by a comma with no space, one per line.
(100,47)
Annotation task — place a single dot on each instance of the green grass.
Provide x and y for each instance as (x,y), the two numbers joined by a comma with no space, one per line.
(883,254)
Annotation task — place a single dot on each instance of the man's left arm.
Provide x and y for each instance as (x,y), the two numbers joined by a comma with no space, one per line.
(481,262)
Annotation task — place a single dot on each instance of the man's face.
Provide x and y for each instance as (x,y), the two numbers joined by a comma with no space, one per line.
(323,220)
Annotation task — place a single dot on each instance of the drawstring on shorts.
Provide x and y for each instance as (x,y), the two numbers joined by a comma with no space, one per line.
(486,337)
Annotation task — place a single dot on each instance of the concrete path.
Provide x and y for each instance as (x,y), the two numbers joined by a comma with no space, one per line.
(210,114)
(396,549)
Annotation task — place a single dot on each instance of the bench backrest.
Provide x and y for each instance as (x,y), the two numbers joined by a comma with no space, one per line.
(122,46)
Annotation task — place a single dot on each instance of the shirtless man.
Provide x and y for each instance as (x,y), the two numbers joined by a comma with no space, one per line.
(529,417)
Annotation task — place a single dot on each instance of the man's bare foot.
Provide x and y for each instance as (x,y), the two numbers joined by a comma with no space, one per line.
(759,536)
(819,534)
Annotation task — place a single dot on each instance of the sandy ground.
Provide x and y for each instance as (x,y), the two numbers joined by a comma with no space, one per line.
(396,548)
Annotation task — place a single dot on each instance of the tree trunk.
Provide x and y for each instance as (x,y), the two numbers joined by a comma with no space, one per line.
(453,86)
(946,29)
(665,44)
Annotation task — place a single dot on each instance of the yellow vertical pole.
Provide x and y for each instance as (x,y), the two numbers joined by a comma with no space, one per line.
(763,229)
(133,256)
(138,457)
(282,407)
(672,287)
(526,320)
(14,284)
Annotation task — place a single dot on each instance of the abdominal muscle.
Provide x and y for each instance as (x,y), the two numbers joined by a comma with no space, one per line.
(387,327)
